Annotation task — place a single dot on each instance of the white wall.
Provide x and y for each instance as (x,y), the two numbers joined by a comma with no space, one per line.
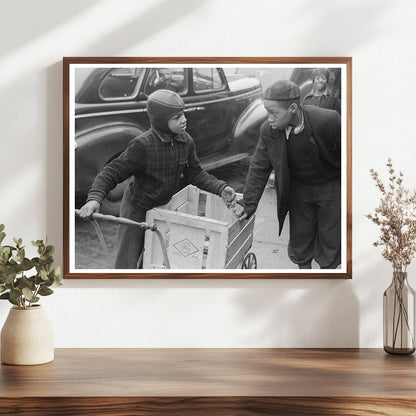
(380,35)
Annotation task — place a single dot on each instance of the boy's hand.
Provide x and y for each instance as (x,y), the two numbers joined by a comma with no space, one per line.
(239,212)
(88,209)
(228,196)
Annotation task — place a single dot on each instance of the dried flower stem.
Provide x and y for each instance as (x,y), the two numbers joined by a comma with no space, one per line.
(396,216)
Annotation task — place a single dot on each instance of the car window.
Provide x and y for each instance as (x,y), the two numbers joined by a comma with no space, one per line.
(206,79)
(120,84)
(173,79)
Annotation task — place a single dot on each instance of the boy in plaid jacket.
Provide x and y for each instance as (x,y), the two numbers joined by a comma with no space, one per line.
(154,162)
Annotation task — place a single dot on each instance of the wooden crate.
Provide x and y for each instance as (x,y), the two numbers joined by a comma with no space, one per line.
(199,231)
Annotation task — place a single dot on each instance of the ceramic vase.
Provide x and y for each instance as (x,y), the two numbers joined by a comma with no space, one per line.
(27,337)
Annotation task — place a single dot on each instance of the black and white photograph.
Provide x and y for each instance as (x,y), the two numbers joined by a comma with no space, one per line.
(207,168)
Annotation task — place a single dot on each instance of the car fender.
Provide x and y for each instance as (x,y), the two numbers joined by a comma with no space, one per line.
(95,148)
(246,130)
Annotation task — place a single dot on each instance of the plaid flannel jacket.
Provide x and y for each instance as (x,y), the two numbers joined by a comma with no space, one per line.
(155,162)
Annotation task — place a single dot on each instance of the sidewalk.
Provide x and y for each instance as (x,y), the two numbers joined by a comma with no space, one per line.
(269,248)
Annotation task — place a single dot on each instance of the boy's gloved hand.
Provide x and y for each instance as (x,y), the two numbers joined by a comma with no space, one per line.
(228,196)
(88,209)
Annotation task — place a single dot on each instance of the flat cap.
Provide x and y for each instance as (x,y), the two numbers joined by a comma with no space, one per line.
(282,90)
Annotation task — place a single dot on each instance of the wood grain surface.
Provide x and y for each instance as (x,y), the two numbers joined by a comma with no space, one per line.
(212,382)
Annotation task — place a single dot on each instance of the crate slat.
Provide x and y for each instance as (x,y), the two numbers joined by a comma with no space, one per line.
(217,250)
(240,254)
(240,238)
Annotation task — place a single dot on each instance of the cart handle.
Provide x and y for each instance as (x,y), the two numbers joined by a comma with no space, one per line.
(120,220)
(125,221)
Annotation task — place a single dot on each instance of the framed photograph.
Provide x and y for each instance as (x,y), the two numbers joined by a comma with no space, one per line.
(231,168)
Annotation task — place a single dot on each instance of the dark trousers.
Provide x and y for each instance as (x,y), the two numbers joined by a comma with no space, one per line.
(130,240)
(315,224)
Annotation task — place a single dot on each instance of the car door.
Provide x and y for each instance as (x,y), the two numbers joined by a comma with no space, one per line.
(208,110)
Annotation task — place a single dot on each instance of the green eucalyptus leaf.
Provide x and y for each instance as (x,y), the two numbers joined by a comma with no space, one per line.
(21,255)
(27,293)
(18,242)
(58,276)
(15,294)
(2,236)
(24,282)
(49,250)
(8,277)
(5,295)
(38,280)
(2,227)
(5,254)
(5,250)
(43,275)
(2,288)
(45,291)
(26,264)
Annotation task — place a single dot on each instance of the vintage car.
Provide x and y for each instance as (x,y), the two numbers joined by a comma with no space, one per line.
(224,113)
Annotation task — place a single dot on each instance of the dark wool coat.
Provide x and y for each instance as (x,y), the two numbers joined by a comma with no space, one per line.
(271,154)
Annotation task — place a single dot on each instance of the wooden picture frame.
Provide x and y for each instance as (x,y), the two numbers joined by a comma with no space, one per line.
(111,95)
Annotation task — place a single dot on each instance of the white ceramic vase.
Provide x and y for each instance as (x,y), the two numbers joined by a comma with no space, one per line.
(27,337)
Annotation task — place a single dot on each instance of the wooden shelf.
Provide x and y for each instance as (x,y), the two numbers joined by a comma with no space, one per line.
(212,382)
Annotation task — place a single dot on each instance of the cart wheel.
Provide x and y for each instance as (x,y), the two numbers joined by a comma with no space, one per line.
(250,261)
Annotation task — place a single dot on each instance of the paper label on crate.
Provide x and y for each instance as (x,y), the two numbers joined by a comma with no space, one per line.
(186,248)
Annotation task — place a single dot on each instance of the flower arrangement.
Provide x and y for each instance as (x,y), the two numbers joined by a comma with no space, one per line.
(396,217)
(15,286)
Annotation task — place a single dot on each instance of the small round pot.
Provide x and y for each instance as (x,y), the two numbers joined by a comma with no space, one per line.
(27,337)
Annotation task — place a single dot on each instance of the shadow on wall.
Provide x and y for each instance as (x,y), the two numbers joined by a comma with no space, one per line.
(45,16)
(154,20)
(348,26)
(300,313)
(39,15)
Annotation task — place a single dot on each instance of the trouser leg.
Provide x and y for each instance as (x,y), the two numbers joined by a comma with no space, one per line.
(328,241)
(130,240)
(302,217)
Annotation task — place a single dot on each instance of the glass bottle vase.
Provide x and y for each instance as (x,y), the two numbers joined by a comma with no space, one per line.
(399,316)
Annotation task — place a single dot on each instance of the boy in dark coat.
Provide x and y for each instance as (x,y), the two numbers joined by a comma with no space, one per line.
(154,161)
(303,146)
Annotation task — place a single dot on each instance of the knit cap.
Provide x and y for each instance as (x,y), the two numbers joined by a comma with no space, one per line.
(282,90)
(161,106)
